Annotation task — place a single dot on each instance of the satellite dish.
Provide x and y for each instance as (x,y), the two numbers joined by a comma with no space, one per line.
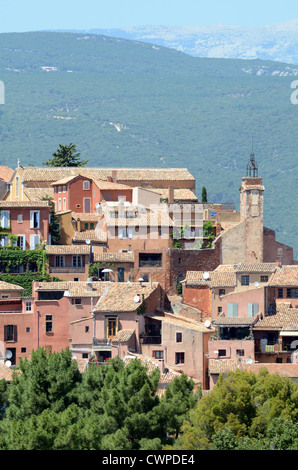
(256,284)
(207,324)
(249,361)
(8,363)
(66,293)
(97,205)
(8,354)
(206,275)
(141,279)
(136,299)
(107,270)
(88,241)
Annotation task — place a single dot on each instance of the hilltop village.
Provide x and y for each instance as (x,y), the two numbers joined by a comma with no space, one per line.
(128,262)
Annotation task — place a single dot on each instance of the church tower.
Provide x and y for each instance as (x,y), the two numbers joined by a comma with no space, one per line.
(251,211)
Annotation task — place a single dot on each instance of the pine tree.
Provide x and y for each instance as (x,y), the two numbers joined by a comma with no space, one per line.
(66,156)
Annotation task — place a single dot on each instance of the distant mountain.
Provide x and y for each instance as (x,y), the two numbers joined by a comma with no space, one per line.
(134,104)
(277,42)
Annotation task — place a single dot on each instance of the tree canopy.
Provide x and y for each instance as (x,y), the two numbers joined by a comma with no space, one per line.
(50,405)
(66,156)
(244,411)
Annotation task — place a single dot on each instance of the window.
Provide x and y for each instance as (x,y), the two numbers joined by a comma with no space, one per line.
(59,261)
(85,356)
(28,306)
(222,352)
(86,226)
(34,219)
(5,219)
(180,358)
(245,280)
(178,337)
(232,310)
(59,189)
(280,293)
(111,327)
(64,189)
(76,261)
(86,185)
(10,333)
(157,354)
(23,350)
(264,279)
(292,293)
(239,352)
(219,310)
(145,276)
(76,279)
(49,323)
(252,309)
(17,187)
(34,241)
(21,242)
(64,203)
(20,218)
(150,259)
(86,329)
(76,301)
(59,204)
(27,329)
(91,226)
(222,291)
(125,233)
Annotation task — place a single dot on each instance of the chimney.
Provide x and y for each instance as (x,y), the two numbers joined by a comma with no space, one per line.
(114,176)
(161,365)
(171,195)
(110,179)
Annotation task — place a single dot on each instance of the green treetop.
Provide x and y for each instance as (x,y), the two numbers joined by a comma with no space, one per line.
(66,155)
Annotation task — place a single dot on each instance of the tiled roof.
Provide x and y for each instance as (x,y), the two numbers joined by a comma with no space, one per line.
(235,321)
(75,288)
(286,319)
(6,373)
(216,278)
(21,204)
(123,336)
(119,296)
(67,249)
(8,286)
(6,173)
(94,235)
(255,268)
(114,257)
(151,364)
(180,194)
(219,366)
(85,216)
(52,174)
(181,322)
(111,185)
(35,194)
(284,276)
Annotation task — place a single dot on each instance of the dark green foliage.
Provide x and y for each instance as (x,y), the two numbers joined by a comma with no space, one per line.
(51,405)
(204,195)
(65,156)
(54,227)
(244,411)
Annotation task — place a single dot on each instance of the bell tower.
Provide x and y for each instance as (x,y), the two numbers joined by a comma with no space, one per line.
(251,211)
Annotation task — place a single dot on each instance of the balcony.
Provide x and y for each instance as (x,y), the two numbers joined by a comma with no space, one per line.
(102,344)
(67,269)
(150,339)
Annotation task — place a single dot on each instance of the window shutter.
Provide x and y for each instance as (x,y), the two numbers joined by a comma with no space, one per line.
(130,233)
(15,333)
(5,216)
(253,309)
(120,233)
(232,310)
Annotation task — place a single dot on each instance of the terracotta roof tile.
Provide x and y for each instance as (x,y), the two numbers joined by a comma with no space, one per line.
(67,249)
(255,268)
(75,288)
(9,286)
(6,173)
(114,257)
(220,366)
(285,319)
(123,336)
(284,276)
(35,194)
(217,278)
(85,216)
(23,204)
(94,235)
(151,364)
(52,174)
(120,296)
(6,373)
(180,194)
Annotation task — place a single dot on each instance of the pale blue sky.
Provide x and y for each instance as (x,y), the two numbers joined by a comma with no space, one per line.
(32,15)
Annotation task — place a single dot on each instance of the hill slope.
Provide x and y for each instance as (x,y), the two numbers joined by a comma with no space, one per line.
(126,103)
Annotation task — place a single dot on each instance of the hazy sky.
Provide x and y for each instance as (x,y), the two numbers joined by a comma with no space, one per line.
(32,15)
